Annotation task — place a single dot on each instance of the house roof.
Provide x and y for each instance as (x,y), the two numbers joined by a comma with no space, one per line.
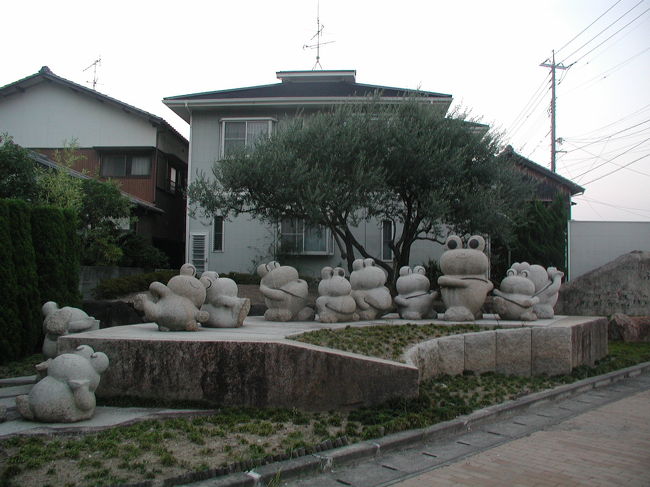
(47,162)
(45,74)
(510,153)
(298,88)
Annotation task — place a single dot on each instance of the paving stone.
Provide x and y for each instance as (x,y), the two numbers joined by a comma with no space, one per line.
(323,480)
(367,475)
(447,450)
(479,439)
(480,352)
(513,351)
(410,461)
(507,429)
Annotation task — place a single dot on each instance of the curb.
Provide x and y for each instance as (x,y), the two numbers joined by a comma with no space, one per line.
(318,463)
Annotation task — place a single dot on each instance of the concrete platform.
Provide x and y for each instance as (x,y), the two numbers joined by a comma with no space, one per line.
(258,366)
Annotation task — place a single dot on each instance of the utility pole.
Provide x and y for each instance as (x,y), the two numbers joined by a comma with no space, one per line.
(553,67)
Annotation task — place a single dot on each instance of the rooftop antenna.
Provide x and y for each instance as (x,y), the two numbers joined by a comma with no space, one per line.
(94,65)
(317,36)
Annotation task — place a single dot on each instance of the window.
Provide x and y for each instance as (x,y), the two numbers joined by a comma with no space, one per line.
(125,165)
(217,240)
(300,239)
(240,134)
(387,232)
(172,177)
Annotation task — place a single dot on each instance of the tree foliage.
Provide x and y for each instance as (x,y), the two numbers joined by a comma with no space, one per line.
(402,162)
(17,171)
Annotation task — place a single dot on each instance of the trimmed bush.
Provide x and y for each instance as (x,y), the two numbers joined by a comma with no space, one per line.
(10,333)
(120,286)
(56,243)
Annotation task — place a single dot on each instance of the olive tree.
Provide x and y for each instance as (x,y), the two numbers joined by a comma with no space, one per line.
(403,162)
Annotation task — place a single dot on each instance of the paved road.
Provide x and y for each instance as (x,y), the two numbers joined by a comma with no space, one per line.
(599,438)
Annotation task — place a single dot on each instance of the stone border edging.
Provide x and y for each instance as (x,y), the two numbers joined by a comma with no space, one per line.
(317,463)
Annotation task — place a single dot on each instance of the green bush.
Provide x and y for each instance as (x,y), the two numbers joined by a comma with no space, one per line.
(56,244)
(138,252)
(113,288)
(10,336)
(242,278)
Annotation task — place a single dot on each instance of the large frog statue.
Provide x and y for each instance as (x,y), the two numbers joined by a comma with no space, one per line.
(514,299)
(62,321)
(335,302)
(67,393)
(464,285)
(414,301)
(176,306)
(372,297)
(226,310)
(284,293)
(547,286)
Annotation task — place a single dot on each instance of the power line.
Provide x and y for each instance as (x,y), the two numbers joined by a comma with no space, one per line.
(535,97)
(629,115)
(610,136)
(619,30)
(583,30)
(618,207)
(615,170)
(605,29)
(566,164)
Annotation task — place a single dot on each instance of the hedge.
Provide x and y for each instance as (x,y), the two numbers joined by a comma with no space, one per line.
(39,261)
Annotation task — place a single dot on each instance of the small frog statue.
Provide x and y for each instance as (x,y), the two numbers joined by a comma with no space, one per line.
(464,285)
(63,321)
(67,393)
(176,306)
(285,294)
(547,287)
(225,308)
(335,302)
(372,297)
(414,300)
(514,299)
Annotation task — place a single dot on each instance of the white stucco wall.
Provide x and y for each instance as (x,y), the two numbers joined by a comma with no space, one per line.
(593,244)
(48,114)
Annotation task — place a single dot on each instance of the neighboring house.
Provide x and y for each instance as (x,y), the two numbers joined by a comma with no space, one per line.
(549,184)
(140,150)
(224,120)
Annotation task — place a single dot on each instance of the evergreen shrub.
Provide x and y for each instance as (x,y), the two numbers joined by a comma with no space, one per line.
(120,286)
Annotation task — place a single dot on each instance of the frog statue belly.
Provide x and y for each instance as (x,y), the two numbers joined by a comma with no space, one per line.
(464,285)
(514,300)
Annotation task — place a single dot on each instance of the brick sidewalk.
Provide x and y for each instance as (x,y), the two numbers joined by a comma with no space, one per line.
(607,446)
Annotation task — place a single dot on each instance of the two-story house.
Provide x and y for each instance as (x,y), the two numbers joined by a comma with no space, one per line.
(145,154)
(224,120)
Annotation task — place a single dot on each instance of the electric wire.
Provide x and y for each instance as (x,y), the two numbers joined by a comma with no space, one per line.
(583,30)
(615,170)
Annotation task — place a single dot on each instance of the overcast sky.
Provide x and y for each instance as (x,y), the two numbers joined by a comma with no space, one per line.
(484,53)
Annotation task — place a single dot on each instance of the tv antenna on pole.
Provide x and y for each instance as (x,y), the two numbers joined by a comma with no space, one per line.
(317,36)
(94,65)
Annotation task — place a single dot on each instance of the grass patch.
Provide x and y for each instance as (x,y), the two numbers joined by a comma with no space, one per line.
(22,367)
(158,449)
(383,341)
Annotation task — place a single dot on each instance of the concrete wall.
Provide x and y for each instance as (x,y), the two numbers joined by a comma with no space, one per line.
(47,114)
(91,276)
(593,244)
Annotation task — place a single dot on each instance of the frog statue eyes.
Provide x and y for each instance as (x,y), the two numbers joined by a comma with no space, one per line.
(464,285)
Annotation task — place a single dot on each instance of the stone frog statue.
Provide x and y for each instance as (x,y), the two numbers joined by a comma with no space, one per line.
(176,306)
(226,310)
(63,321)
(372,297)
(67,393)
(414,301)
(547,286)
(514,299)
(335,302)
(464,285)
(285,294)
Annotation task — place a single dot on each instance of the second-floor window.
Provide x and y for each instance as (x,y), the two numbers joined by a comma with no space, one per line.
(240,134)
(125,165)
(387,234)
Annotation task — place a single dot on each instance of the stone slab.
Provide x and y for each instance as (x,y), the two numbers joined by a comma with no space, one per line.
(480,352)
(551,350)
(513,351)
(213,367)
(425,357)
(451,355)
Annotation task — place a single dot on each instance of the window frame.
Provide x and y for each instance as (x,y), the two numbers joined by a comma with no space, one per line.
(329,240)
(222,240)
(224,121)
(127,157)
(382,240)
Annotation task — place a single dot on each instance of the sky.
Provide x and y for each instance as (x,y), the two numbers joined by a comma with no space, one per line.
(487,54)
